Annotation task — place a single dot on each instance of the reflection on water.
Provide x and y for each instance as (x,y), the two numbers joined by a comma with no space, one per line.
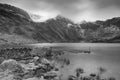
(104,55)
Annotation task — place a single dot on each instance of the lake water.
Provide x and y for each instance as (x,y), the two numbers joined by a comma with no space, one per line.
(103,55)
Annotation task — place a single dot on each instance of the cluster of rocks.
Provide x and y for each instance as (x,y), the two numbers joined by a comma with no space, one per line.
(34,68)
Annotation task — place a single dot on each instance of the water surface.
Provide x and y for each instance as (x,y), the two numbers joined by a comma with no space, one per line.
(103,55)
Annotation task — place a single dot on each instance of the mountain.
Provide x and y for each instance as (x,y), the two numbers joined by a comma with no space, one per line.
(16,26)
(15,22)
(114,21)
(114,27)
(102,31)
(59,29)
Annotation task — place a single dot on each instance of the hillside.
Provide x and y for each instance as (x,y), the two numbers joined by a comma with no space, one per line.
(16,26)
(102,31)
(14,21)
(59,29)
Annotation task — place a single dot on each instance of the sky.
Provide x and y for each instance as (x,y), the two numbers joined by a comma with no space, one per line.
(76,10)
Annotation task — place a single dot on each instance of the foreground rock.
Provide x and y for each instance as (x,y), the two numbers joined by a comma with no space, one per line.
(36,67)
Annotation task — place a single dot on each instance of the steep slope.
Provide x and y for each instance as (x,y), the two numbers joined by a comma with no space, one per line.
(59,29)
(114,21)
(16,22)
(102,31)
(16,26)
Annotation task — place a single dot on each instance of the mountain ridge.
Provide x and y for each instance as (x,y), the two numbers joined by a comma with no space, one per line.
(12,23)
(17,23)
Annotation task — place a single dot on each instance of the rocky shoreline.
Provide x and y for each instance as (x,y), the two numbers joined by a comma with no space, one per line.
(23,64)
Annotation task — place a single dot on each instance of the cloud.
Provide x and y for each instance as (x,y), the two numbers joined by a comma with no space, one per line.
(27,4)
(76,10)
(37,7)
(65,8)
(101,4)
(62,5)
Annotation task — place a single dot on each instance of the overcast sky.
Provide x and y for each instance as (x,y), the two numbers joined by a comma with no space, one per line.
(76,10)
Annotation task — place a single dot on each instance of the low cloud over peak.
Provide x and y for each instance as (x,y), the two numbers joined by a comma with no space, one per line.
(77,10)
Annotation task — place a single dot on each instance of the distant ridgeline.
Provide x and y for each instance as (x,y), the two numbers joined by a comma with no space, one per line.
(16,26)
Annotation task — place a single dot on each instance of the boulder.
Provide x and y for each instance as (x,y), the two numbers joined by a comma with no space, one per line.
(11,65)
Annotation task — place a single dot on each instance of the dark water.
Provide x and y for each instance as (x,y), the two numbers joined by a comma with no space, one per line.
(103,55)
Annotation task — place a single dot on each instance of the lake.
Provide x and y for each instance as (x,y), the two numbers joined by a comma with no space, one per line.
(104,55)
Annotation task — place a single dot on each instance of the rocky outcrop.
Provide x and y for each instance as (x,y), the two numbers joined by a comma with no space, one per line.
(34,68)
(102,31)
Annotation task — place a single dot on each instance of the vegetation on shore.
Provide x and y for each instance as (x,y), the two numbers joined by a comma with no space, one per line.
(93,76)
(21,64)
(27,63)
(24,63)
